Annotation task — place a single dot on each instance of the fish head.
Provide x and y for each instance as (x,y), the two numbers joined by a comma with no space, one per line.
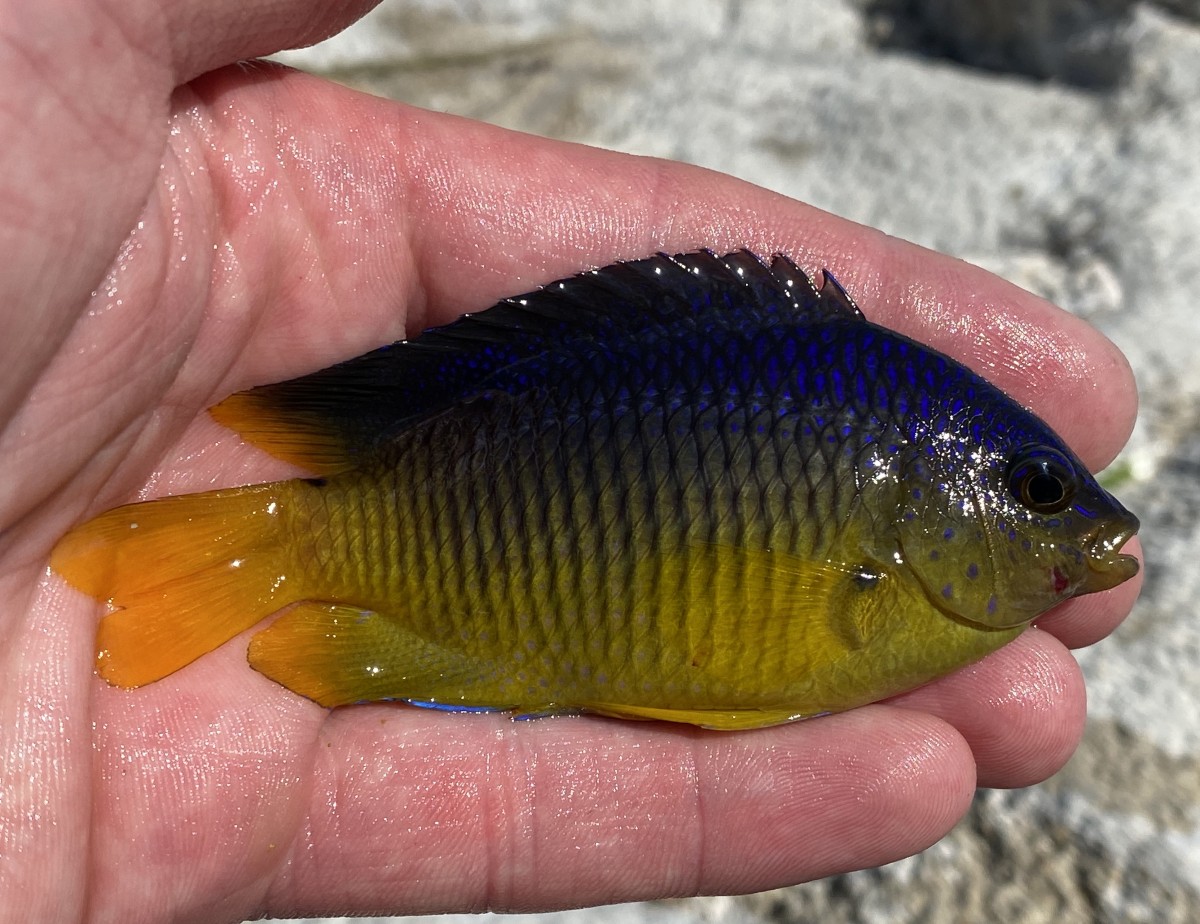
(1000,530)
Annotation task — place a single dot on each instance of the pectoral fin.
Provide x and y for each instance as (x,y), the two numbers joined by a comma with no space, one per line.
(760,594)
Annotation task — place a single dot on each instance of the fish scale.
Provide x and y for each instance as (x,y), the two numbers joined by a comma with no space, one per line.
(634,444)
(691,488)
(714,455)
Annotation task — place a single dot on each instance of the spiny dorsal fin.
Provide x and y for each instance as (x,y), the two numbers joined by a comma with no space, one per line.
(326,420)
(835,299)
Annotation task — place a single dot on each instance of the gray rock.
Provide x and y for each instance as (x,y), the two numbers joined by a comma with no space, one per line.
(1080,42)
(1189,9)
(1082,184)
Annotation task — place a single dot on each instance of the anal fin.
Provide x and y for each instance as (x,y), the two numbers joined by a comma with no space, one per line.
(451,707)
(726,720)
(337,654)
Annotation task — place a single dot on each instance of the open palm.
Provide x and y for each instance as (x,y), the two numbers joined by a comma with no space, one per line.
(169,238)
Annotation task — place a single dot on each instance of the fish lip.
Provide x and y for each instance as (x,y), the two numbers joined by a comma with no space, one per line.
(1107,566)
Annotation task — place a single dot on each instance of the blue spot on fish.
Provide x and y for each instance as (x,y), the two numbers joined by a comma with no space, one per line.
(839,390)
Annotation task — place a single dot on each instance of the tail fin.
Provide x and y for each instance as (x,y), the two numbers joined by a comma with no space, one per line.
(188,573)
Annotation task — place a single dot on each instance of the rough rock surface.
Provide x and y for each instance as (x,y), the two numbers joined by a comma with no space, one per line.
(1054,142)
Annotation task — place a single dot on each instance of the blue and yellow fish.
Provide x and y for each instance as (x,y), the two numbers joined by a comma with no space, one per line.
(689,488)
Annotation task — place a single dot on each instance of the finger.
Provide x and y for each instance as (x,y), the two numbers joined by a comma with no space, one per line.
(423,814)
(1049,360)
(443,215)
(207,34)
(1021,709)
(200,786)
(90,138)
(45,750)
(76,168)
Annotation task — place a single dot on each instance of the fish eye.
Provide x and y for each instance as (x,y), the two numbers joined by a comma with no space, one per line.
(1042,479)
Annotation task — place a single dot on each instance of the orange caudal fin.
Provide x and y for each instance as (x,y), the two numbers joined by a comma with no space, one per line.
(187,573)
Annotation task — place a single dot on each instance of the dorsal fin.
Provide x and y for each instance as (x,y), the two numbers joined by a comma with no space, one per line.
(326,420)
(834,298)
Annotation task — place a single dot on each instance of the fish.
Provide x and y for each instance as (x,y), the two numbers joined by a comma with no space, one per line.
(690,488)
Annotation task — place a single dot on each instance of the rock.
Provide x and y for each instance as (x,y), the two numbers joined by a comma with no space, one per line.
(1186,8)
(1080,42)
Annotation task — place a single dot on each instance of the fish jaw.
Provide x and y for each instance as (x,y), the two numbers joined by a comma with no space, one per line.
(1107,566)
(1093,565)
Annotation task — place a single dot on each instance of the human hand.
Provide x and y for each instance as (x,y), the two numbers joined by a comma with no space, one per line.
(281,224)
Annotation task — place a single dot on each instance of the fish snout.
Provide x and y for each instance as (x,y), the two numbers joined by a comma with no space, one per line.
(1106,565)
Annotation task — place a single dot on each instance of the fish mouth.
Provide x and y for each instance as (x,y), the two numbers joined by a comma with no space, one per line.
(1107,567)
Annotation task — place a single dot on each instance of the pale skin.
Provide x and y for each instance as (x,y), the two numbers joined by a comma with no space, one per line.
(282,223)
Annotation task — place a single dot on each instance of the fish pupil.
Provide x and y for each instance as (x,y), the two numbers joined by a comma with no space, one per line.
(1042,479)
(1045,489)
